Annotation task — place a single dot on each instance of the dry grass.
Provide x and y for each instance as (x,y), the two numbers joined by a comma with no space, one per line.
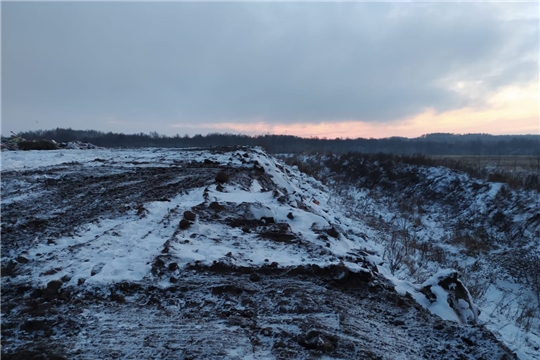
(517,163)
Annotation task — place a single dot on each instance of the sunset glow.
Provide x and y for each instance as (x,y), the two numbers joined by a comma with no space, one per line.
(512,110)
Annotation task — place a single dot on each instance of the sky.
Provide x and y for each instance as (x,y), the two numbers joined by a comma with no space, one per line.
(330,70)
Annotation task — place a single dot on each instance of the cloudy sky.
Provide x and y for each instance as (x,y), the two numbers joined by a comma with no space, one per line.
(308,69)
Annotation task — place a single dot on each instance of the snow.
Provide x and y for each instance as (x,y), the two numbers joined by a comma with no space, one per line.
(26,160)
(453,202)
(122,248)
(440,306)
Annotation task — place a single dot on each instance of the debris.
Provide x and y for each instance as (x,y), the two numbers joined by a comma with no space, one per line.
(16,142)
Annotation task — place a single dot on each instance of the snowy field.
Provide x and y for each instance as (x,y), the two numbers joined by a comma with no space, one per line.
(211,253)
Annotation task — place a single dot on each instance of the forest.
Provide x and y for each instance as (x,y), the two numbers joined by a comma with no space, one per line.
(430,144)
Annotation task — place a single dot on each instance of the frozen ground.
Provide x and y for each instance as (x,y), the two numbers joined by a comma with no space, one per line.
(432,218)
(222,253)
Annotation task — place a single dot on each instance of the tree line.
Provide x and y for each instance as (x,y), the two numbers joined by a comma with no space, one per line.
(430,144)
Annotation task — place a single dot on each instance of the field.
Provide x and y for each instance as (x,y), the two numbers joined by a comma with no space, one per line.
(514,163)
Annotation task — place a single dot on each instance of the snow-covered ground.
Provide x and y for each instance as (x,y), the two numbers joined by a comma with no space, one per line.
(432,218)
(210,253)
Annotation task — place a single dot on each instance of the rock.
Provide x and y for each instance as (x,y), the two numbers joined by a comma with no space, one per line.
(268,220)
(468,341)
(97,269)
(166,248)
(141,211)
(51,271)
(54,285)
(339,272)
(222,177)
(319,340)
(9,269)
(216,206)
(257,167)
(158,263)
(247,313)
(290,216)
(118,298)
(439,325)
(238,321)
(333,232)
(232,289)
(21,259)
(188,215)
(33,325)
(184,224)
(267,331)
(173,266)
(254,277)
(51,291)
(37,293)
